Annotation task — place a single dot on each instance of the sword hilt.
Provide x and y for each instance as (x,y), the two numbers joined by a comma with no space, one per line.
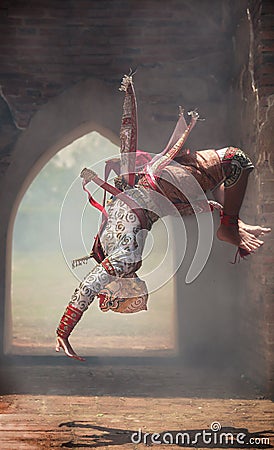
(79,261)
(88,175)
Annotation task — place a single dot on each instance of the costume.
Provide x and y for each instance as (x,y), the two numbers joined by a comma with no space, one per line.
(133,209)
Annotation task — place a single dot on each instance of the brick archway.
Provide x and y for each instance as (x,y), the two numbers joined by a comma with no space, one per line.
(89,106)
(77,111)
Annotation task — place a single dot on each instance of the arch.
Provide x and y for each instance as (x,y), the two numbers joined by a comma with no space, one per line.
(76,112)
(88,106)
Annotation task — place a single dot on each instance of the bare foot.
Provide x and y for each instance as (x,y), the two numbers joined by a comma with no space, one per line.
(63,343)
(237,236)
(256,230)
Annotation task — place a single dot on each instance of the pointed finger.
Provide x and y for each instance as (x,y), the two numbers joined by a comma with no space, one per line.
(79,358)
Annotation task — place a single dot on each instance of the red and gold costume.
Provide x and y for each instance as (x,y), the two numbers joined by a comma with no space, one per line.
(131,211)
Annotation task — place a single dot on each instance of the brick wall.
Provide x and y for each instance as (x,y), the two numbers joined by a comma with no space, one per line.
(47,46)
(187,53)
(264,77)
(253,90)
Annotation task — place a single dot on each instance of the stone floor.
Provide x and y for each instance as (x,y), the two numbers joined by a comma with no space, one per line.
(113,407)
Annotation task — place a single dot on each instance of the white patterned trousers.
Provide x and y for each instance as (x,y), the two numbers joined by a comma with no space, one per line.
(123,241)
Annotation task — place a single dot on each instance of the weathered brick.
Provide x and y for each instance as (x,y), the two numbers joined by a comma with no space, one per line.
(267,22)
(25,10)
(267,7)
(268,207)
(10,21)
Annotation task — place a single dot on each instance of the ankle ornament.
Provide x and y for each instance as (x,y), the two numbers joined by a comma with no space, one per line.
(229,220)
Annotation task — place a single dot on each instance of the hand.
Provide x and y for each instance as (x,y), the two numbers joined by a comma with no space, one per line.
(63,343)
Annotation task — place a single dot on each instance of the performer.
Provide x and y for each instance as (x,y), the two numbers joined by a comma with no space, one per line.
(133,209)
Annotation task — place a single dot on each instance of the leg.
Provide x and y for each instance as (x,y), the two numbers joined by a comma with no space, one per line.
(255,230)
(237,167)
(229,229)
(234,195)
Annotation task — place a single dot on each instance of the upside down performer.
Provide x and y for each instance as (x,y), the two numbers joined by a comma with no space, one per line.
(130,213)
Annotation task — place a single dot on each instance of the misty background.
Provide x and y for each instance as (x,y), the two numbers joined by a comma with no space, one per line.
(55,224)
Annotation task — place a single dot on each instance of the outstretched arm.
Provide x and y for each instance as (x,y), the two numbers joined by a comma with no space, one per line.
(81,299)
